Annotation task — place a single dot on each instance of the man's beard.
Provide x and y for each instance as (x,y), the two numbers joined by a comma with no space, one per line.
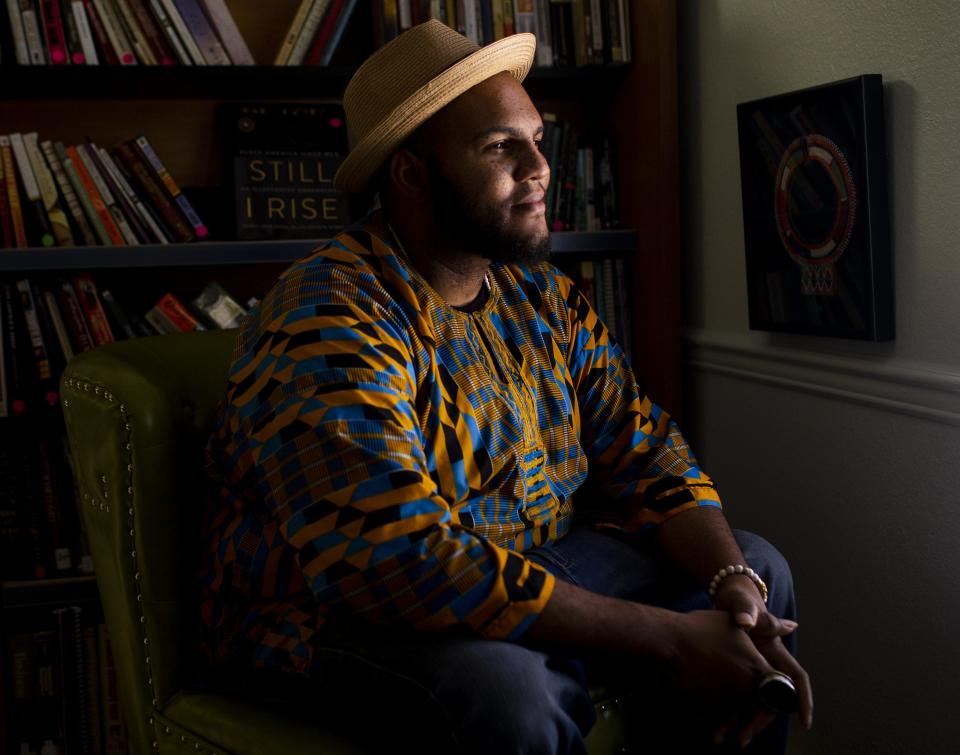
(481,230)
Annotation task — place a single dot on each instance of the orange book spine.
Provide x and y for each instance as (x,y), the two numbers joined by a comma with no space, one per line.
(13,196)
(96,200)
(182,317)
(92,308)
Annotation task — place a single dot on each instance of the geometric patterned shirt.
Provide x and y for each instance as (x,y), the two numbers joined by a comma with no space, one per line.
(381,453)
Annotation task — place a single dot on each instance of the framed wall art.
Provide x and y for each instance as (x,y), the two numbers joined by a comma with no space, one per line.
(816,226)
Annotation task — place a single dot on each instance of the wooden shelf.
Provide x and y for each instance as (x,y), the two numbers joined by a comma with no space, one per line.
(248,252)
(38,593)
(238,82)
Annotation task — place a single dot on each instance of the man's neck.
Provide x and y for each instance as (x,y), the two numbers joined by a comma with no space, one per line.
(457,275)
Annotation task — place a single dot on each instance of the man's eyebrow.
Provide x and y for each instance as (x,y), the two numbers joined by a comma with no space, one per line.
(512,131)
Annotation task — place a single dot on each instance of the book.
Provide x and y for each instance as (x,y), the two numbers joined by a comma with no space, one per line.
(92,711)
(293,31)
(31,203)
(80,192)
(332,41)
(175,311)
(105,50)
(14,350)
(151,226)
(135,33)
(173,189)
(119,320)
(93,312)
(280,161)
(13,193)
(53,32)
(321,38)
(311,23)
(33,33)
(41,360)
(55,354)
(55,536)
(199,27)
(219,308)
(48,191)
(222,21)
(7,238)
(115,32)
(59,326)
(72,32)
(160,322)
(125,234)
(128,218)
(80,222)
(103,214)
(73,318)
(154,38)
(186,38)
(142,176)
(84,33)
(21,53)
(166,25)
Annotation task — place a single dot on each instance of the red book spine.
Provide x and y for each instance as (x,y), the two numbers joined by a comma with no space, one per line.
(326,30)
(53,33)
(73,318)
(179,315)
(92,308)
(158,44)
(107,54)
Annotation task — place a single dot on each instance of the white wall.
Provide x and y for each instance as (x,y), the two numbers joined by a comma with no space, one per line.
(845,454)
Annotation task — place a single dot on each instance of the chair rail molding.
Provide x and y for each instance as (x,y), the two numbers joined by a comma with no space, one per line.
(929,392)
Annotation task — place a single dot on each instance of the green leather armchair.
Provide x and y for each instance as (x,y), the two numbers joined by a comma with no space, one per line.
(138,414)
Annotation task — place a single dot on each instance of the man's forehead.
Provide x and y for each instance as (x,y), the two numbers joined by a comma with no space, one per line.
(499,103)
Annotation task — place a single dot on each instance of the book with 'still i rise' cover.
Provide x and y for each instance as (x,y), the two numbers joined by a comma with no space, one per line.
(281,159)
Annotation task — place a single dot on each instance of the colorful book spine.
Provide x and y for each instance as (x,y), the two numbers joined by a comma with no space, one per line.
(154,37)
(189,43)
(115,238)
(200,29)
(7,238)
(155,233)
(21,53)
(170,31)
(33,203)
(127,235)
(41,358)
(68,194)
(48,192)
(308,32)
(84,33)
(229,33)
(136,35)
(92,308)
(33,33)
(151,156)
(293,31)
(53,33)
(80,336)
(343,18)
(72,33)
(13,194)
(178,314)
(115,32)
(159,321)
(153,190)
(324,33)
(106,51)
(59,326)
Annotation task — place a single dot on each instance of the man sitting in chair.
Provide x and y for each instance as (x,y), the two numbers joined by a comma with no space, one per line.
(443,498)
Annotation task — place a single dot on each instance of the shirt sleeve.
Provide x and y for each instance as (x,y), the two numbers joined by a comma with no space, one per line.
(638,458)
(329,410)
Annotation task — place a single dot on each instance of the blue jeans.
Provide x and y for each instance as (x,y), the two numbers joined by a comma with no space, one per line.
(463,694)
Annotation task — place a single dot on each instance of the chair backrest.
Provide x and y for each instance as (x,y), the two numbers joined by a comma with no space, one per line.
(138,414)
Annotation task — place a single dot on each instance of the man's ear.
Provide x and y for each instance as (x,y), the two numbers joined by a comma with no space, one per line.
(408,173)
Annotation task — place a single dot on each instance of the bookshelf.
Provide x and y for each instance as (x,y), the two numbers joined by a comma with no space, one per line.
(637,103)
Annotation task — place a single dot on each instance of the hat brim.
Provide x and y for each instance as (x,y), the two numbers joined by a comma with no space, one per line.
(513,55)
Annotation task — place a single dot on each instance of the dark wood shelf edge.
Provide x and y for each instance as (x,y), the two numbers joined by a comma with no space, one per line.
(43,592)
(226,82)
(249,252)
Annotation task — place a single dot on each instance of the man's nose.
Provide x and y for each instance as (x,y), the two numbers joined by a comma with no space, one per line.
(534,165)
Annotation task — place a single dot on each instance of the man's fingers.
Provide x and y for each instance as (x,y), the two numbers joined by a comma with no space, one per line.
(779,657)
(757,723)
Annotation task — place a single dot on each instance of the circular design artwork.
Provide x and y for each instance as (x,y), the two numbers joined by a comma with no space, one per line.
(817,255)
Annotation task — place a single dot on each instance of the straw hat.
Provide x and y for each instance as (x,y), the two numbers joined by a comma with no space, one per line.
(408,80)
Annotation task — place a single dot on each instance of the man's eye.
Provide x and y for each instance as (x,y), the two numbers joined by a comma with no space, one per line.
(501,145)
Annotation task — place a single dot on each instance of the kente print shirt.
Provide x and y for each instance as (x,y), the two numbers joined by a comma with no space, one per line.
(384,454)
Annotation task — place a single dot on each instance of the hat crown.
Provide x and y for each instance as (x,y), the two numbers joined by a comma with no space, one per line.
(400,68)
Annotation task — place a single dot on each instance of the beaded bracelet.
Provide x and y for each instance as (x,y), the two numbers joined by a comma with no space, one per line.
(729,571)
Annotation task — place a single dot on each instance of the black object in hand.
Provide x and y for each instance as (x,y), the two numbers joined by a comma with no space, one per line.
(778,692)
